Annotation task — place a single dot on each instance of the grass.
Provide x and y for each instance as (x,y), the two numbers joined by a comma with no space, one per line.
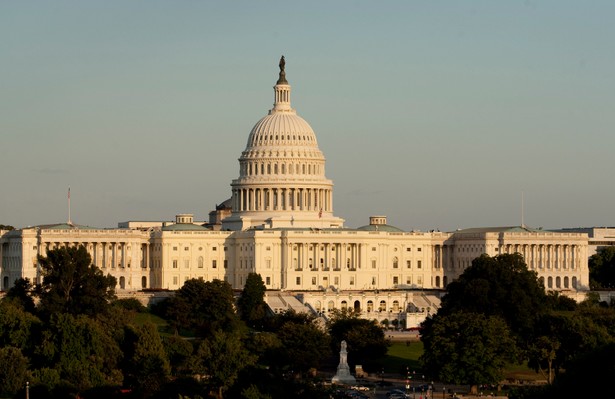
(402,355)
(160,323)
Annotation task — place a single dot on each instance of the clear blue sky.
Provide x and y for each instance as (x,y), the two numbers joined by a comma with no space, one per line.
(435,113)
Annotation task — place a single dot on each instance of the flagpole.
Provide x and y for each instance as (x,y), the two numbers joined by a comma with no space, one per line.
(69,221)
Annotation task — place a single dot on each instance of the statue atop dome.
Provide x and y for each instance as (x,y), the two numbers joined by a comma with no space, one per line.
(282,80)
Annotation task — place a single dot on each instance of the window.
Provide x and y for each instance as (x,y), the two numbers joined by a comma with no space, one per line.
(351,280)
(408,249)
(200,262)
(268,263)
(373,280)
(175,280)
(214,264)
(174,248)
(382,307)
(186,248)
(395,263)
(419,280)
(395,280)
(225,264)
(373,263)
(336,280)
(267,280)
(175,264)
(408,264)
(298,280)
(373,248)
(408,280)
(313,280)
(419,264)
(268,248)
(419,249)
(214,248)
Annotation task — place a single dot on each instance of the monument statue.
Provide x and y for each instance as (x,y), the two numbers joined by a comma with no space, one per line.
(343,375)
(282,80)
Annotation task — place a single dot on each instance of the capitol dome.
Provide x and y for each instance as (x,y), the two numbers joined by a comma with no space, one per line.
(282,179)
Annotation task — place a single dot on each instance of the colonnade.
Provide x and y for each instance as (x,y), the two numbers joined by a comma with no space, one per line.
(325,256)
(547,256)
(284,199)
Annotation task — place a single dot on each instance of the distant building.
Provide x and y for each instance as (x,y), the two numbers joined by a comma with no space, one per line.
(280,223)
(599,237)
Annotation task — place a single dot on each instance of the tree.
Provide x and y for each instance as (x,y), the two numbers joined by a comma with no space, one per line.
(365,338)
(221,357)
(21,293)
(467,348)
(251,305)
(146,366)
(602,268)
(80,350)
(498,286)
(13,370)
(6,227)
(203,307)
(71,284)
(16,326)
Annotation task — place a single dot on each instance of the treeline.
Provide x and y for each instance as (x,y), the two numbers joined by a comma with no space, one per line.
(497,313)
(69,337)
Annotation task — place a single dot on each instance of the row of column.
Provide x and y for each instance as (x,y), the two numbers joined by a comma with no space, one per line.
(266,169)
(334,256)
(539,256)
(286,199)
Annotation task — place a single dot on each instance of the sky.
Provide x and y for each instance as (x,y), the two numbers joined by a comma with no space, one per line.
(437,114)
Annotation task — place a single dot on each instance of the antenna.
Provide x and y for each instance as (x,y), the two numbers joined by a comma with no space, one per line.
(69,221)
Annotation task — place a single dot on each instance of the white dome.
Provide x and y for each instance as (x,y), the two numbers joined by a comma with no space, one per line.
(282,129)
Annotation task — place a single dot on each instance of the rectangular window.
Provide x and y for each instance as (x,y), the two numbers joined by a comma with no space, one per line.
(267,280)
(175,264)
(395,280)
(214,263)
(351,280)
(409,264)
(419,280)
(268,249)
(408,280)
(174,248)
(419,249)
(175,280)
(373,248)
(225,264)
(419,264)
(373,264)
(298,281)
(313,280)
(336,281)
(408,249)
(214,248)
(373,280)
(268,263)
(186,248)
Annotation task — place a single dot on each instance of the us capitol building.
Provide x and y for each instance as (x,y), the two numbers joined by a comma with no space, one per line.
(280,223)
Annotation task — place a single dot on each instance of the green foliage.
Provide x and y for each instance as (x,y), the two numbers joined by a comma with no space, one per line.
(251,305)
(21,293)
(602,269)
(131,304)
(83,354)
(13,370)
(16,325)
(304,346)
(6,227)
(178,350)
(146,366)
(498,286)
(221,357)
(365,339)
(71,284)
(467,348)
(202,307)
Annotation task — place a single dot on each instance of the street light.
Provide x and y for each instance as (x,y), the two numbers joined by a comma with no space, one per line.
(443,392)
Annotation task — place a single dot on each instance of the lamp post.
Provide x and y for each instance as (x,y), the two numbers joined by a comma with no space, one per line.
(443,392)
(27,389)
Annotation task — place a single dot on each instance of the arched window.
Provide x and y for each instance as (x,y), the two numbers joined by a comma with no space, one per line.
(574,282)
(344,305)
(283,169)
(143,282)
(550,282)
(357,306)
(275,169)
(395,306)
(268,169)
(200,262)
(558,282)
(542,281)
(317,306)
(122,282)
(566,282)
(383,306)
(370,306)
(438,281)
(330,306)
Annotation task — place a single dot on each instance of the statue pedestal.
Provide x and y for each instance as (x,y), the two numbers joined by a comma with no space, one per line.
(343,375)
